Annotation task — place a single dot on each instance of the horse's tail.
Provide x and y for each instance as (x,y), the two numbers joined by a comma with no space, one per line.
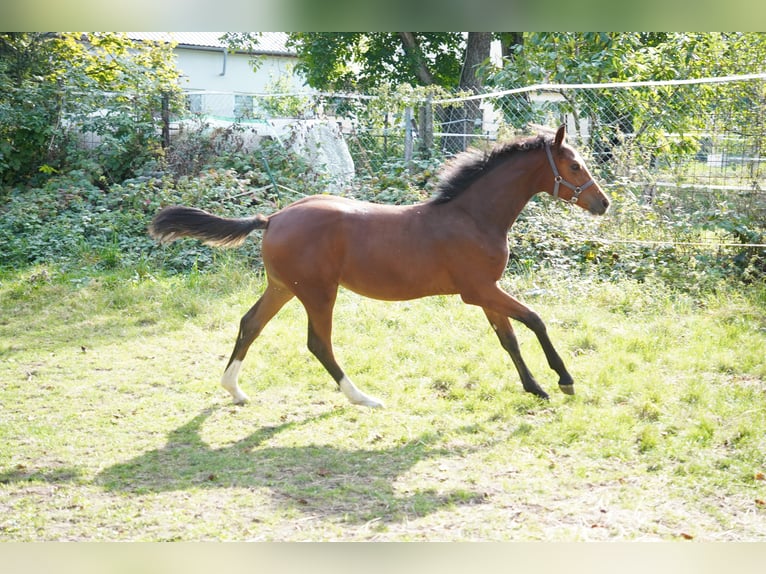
(176,221)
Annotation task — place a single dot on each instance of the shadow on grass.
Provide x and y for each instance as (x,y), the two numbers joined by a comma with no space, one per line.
(354,485)
(49,475)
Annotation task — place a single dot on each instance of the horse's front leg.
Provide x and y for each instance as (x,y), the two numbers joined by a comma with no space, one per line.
(504,332)
(535,323)
(496,302)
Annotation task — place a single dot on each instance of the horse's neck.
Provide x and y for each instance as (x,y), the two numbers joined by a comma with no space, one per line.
(496,199)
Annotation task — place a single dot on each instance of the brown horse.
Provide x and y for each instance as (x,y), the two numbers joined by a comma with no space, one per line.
(455,243)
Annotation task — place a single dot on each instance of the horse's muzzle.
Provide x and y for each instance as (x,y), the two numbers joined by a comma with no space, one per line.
(599,205)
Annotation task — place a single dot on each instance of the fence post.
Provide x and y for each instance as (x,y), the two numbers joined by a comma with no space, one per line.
(408,114)
(426,127)
(165,119)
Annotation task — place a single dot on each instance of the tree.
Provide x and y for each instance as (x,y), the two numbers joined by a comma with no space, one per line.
(364,62)
(361,61)
(563,58)
(56,86)
(465,119)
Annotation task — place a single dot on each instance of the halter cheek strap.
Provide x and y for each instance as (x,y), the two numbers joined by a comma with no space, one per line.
(558,180)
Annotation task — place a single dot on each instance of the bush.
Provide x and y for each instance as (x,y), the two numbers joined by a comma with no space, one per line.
(397,182)
(70,220)
(634,241)
(59,89)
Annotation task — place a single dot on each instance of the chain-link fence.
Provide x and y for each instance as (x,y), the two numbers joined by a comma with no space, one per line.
(704,141)
(695,143)
(691,154)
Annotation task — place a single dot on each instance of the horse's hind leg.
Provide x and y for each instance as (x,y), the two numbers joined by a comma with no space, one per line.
(319,308)
(251,325)
(496,303)
(504,331)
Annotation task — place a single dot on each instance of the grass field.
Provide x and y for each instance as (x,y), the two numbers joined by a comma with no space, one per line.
(113,425)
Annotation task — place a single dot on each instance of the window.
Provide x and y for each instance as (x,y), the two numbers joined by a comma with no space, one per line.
(194,103)
(243,107)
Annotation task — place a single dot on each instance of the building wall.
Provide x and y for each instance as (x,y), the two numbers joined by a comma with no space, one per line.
(204,70)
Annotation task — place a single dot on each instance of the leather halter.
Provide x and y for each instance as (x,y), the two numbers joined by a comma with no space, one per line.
(576,189)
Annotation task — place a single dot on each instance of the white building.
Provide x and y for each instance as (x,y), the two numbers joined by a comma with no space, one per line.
(206,64)
(224,87)
(222,83)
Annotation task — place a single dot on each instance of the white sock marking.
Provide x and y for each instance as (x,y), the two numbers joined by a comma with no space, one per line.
(229,382)
(357,397)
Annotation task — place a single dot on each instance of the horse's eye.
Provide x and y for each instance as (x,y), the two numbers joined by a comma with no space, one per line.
(575,166)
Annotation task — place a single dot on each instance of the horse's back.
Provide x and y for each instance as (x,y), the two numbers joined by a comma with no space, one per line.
(380,251)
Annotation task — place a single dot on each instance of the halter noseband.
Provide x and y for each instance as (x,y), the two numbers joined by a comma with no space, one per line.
(576,189)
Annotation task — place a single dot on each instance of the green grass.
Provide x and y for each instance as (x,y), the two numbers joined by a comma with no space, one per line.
(113,425)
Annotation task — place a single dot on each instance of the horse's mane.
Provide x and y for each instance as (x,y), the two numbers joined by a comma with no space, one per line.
(465,168)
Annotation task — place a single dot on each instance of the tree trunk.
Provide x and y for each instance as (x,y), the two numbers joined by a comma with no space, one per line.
(508,43)
(476,53)
(412,49)
(511,43)
(463,120)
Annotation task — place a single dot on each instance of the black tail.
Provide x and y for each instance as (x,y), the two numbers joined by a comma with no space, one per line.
(174,222)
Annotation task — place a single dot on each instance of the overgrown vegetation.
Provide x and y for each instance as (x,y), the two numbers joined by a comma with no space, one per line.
(89,206)
(73,222)
(85,102)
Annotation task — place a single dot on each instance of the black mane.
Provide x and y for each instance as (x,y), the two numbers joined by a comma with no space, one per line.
(461,171)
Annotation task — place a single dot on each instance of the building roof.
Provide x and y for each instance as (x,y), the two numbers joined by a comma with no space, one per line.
(268,42)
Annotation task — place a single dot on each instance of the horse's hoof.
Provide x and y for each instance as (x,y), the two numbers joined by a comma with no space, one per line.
(370,402)
(241,400)
(567,389)
(357,397)
(538,392)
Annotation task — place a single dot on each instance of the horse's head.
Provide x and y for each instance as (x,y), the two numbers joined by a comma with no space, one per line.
(571,180)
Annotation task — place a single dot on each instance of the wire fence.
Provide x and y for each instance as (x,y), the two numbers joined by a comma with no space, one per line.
(685,160)
(688,157)
(688,135)
(696,143)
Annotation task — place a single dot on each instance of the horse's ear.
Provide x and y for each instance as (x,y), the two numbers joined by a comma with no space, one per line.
(561,135)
